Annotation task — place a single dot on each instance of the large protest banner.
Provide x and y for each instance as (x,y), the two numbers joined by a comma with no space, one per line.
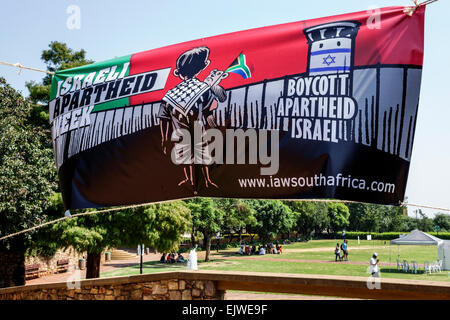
(323,108)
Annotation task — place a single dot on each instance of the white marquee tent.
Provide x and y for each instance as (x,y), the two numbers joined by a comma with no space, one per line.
(444,254)
(417,237)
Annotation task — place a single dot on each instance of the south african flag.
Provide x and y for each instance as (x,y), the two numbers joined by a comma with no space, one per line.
(240,67)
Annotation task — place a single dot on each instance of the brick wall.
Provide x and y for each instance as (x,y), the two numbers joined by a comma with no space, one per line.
(146,287)
(48,265)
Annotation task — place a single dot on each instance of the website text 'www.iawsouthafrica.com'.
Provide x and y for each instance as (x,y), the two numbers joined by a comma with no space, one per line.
(317,180)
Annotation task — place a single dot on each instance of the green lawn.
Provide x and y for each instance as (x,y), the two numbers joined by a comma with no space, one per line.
(244,263)
(385,254)
(148,267)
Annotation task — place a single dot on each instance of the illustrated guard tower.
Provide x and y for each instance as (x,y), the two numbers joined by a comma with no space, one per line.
(331,47)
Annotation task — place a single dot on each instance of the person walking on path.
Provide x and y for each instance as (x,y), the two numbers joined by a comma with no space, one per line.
(344,248)
(374,266)
(337,252)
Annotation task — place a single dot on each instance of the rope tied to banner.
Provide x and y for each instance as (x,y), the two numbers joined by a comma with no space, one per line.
(69,216)
(18,65)
(21,67)
(410,10)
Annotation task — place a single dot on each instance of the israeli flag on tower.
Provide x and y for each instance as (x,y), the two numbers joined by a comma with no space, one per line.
(331,47)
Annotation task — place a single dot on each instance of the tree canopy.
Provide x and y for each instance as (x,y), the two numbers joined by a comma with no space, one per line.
(27,171)
(339,216)
(207,218)
(160,226)
(274,217)
(309,217)
(27,176)
(442,221)
(239,215)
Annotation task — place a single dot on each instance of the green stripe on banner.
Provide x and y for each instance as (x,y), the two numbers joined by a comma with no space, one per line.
(111,105)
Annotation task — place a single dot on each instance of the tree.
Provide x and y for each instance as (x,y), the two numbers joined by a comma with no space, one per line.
(377,218)
(160,226)
(321,219)
(423,222)
(364,217)
(274,217)
(27,176)
(238,216)
(356,216)
(410,224)
(339,216)
(443,221)
(309,217)
(397,218)
(207,217)
(43,241)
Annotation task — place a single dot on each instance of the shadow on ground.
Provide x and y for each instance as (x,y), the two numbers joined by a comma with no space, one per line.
(395,270)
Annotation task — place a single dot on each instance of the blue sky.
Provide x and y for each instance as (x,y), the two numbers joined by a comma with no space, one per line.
(115,28)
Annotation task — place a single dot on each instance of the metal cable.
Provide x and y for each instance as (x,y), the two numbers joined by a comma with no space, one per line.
(146,204)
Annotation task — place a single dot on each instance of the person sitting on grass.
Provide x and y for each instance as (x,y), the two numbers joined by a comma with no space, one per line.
(180,258)
(163,258)
(262,251)
(241,251)
(171,258)
(279,249)
(337,252)
(253,250)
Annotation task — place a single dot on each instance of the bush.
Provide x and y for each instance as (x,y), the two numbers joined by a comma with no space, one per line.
(375,235)
(441,235)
